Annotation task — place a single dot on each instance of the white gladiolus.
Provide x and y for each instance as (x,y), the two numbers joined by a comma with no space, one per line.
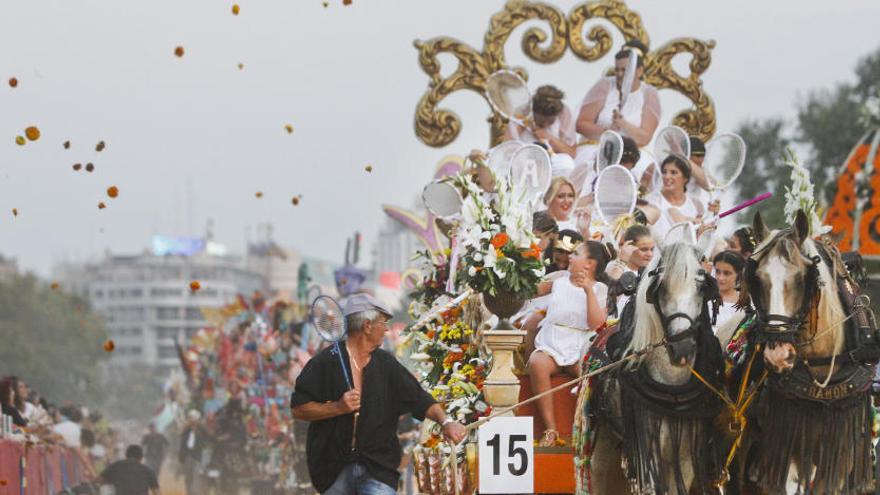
(420,357)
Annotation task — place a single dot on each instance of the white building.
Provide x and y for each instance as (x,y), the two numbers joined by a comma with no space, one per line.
(394,248)
(146,299)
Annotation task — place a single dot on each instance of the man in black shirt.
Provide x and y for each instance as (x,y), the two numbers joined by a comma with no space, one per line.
(383,391)
(154,448)
(130,476)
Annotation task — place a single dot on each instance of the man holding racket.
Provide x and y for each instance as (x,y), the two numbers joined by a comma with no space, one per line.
(361,457)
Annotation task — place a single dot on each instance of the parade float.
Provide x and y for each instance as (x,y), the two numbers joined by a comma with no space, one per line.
(467,354)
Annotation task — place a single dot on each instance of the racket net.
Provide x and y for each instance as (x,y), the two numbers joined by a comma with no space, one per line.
(500,157)
(327,319)
(616,194)
(671,140)
(725,157)
(530,172)
(509,96)
(681,232)
(610,150)
(441,199)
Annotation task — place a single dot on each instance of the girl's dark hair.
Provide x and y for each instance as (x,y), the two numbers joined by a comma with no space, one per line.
(733,259)
(548,101)
(631,153)
(746,238)
(548,251)
(680,164)
(636,232)
(600,253)
(628,48)
(11,383)
(543,222)
(639,214)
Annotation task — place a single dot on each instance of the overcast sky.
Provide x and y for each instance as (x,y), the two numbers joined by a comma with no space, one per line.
(346,78)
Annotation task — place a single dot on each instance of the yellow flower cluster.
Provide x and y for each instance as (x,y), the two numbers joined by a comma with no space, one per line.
(455,332)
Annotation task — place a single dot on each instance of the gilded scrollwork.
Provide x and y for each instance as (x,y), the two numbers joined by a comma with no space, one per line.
(438,127)
(700,120)
(616,12)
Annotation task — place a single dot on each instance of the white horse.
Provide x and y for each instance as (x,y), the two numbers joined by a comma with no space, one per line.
(814,422)
(654,419)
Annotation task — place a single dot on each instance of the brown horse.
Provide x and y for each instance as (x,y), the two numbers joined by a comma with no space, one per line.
(812,419)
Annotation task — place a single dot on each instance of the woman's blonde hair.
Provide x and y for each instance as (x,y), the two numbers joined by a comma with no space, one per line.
(555,185)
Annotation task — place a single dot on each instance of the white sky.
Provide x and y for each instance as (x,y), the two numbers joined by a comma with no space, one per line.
(347,78)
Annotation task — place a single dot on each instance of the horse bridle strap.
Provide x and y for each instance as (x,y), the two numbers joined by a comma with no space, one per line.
(691,331)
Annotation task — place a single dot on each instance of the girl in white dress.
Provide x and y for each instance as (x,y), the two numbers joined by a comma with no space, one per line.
(576,308)
(728,266)
(600,111)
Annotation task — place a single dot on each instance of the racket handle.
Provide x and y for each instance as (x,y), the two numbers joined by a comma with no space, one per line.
(354,430)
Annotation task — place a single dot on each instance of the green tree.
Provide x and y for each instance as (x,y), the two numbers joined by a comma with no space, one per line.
(764,168)
(51,339)
(830,121)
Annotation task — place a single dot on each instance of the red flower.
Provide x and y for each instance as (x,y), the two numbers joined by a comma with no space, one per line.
(499,240)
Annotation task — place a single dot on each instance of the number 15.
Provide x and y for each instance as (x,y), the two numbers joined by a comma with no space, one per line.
(513,451)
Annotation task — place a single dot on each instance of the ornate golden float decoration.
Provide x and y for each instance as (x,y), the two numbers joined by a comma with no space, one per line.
(438,127)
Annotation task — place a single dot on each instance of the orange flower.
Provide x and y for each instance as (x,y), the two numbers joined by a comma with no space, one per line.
(533,252)
(431,442)
(32,133)
(499,240)
(430,334)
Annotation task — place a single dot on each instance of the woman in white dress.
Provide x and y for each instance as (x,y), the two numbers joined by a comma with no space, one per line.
(553,123)
(601,111)
(576,308)
(673,201)
(728,266)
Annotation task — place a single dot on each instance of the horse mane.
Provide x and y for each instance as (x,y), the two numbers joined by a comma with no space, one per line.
(680,267)
(830,308)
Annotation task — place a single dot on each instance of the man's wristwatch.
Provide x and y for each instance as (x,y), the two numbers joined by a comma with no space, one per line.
(447,421)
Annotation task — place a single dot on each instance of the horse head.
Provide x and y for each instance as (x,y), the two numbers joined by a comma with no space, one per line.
(676,289)
(781,279)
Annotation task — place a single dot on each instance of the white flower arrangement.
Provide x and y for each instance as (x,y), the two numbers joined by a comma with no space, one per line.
(500,251)
(800,196)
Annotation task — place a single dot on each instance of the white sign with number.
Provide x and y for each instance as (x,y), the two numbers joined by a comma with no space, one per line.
(507,455)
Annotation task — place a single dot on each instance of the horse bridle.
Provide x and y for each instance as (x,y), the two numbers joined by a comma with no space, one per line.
(774,327)
(709,291)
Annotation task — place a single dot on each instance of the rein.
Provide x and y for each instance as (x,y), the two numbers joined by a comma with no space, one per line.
(737,410)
